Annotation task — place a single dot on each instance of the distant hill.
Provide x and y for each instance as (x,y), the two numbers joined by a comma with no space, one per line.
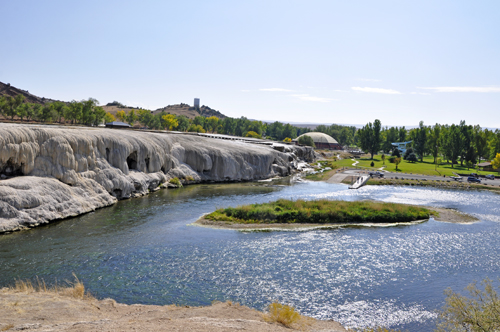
(8,90)
(190,112)
(179,109)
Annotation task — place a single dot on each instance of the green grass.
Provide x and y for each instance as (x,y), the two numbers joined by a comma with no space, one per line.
(320,212)
(426,167)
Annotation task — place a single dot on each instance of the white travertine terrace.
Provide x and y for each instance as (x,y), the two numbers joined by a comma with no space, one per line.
(50,172)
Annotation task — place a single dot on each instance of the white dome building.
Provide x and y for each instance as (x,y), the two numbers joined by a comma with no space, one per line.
(323,141)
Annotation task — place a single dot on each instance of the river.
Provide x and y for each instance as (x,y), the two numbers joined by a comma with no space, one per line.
(145,251)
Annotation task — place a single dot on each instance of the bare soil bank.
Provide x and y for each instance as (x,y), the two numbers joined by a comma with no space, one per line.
(48,311)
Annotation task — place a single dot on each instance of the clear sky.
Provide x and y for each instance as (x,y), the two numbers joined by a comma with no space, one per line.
(300,61)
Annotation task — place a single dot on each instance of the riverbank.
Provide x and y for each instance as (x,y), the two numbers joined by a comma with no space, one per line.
(51,311)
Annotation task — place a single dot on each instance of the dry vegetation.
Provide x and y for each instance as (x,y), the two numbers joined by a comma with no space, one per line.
(74,289)
(287,316)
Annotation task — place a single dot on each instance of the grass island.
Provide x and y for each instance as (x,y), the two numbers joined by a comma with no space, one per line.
(285,213)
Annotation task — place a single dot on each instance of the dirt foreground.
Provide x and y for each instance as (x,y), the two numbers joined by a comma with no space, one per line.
(49,311)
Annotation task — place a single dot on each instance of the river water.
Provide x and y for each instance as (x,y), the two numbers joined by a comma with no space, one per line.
(144,251)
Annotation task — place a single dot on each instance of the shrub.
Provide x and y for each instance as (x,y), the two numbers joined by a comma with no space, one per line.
(286,316)
(372,164)
(253,134)
(479,312)
(306,140)
(391,159)
(287,140)
(189,178)
(412,158)
(175,181)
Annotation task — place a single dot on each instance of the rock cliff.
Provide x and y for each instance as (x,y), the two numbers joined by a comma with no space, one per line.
(50,173)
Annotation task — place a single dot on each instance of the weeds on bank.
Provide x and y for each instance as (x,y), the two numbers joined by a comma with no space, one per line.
(176,181)
(74,289)
(287,316)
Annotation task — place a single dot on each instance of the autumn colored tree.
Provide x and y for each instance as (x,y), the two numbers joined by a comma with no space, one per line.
(170,121)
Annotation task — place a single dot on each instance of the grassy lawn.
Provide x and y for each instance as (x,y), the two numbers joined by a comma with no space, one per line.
(426,167)
(320,212)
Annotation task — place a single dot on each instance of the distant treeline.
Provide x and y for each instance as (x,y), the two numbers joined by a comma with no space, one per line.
(84,112)
(455,143)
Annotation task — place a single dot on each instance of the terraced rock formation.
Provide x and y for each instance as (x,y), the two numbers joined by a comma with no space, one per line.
(49,172)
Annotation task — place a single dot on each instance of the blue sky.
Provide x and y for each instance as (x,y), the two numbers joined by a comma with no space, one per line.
(300,61)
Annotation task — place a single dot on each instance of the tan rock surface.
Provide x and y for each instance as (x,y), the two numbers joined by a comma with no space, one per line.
(47,311)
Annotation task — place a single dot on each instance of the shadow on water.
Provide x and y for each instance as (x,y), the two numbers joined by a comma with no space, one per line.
(143,251)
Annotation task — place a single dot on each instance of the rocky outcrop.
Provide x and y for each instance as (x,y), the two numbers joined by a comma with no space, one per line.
(50,173)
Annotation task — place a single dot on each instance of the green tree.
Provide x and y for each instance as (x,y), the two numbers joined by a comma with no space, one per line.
(74,111)
(88,111)
(306,140)
(420,140)
(47,113)
(433,140)
(412,158)
(37,111)
(11,105)
(60,108)
(480,142)
(99,114)
(397,161)
(183,123)
(289,131)
(131,117)
(22,110)
(369,137)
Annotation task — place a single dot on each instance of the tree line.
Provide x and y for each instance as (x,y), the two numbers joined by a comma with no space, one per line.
(455,143)
(86,112)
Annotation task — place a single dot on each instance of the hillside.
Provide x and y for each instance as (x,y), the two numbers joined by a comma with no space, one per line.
(190,112)
(179,109)
(8,90)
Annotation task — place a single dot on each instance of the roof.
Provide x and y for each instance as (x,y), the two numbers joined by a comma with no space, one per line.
(485,164)
(118,124)
(320,138)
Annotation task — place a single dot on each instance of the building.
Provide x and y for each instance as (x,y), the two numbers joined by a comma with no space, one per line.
(401,146)
(486,166)
(196,102)
(322,141)
(117,124)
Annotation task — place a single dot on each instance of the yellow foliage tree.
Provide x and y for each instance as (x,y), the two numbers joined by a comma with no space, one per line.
(108,117)
(120,115)
(170,121)
(287,140)
(495,163)
(212,123)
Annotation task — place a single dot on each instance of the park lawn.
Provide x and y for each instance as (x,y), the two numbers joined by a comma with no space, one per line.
(427,167)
